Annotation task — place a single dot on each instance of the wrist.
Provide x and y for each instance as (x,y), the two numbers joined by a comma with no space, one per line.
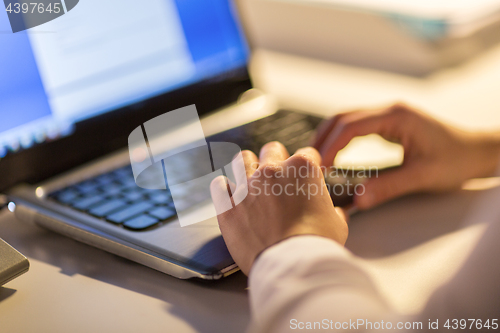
(315,226)
(483,154)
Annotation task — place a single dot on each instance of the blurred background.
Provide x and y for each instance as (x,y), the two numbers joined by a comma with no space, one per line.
(409,37)
(328,56)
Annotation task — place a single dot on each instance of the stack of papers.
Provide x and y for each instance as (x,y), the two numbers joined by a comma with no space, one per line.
(430,19)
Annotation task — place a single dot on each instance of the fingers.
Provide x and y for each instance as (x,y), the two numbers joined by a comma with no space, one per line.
(272,153)
(353,125)
(219,190)
(244,166)
(389,122)
(342,214)
(310,153)
(392,184)
(324,129)
(251,163)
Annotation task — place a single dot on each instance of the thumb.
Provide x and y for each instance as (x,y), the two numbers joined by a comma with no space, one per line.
(389,185)
(342,214)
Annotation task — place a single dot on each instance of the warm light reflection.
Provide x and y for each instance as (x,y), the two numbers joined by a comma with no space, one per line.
(39,192)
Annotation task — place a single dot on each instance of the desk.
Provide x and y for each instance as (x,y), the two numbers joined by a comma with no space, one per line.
(72,287)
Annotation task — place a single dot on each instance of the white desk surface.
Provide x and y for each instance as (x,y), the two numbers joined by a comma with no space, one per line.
(413,244)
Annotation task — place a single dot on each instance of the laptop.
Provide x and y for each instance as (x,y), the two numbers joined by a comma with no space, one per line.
(73,89)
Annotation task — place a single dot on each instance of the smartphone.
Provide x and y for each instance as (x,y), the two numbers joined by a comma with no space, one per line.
(12,263)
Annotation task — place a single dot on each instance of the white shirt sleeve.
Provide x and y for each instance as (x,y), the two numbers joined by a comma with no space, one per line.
(310,279)
(311,283)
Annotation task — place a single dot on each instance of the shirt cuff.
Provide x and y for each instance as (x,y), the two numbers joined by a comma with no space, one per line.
(288,260)
(295,248)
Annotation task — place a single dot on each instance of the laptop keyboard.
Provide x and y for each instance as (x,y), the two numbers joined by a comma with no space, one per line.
(114,197)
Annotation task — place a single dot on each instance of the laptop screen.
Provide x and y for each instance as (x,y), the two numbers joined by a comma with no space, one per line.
(104,55)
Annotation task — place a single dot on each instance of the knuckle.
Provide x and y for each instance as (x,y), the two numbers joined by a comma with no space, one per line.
(399,105)
(270,169)
(399,109)
(302,159)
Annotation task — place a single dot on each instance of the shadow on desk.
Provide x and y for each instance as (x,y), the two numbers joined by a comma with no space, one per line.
(410,221)
(6,293)
(205,305)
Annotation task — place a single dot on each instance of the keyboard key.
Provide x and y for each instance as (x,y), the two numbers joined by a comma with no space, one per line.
(161,197)
(104,179)
(112,189)
(292,130)
(133,195)
(107,207)
(163,213)
(127,182)
(87,202)
(130,211)
(141,222)
(86,186)
(288,120)
(123,172)
(67,196)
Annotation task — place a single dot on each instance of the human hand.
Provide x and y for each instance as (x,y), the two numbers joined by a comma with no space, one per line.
(437,157)
(287,196)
